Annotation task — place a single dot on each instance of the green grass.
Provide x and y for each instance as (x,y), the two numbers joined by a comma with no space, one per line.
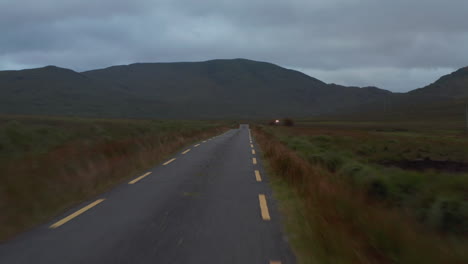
(49,164)
(342,206)
(20,135)
(436,198)
(296,224)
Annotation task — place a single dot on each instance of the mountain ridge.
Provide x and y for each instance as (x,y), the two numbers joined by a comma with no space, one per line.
(234,88)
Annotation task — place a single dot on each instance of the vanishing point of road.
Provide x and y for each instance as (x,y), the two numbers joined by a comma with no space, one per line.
(208,204)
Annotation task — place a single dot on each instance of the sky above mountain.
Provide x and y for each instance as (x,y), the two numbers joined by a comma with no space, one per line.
(397,45)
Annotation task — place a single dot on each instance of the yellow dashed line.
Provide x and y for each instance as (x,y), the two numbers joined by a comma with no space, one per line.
(204,141)
(257,176)
(253,151)
(264,207)
(75,214)
(169,161)
(139,178)
(197,145)
(185,151)
(251,145)
(254,160)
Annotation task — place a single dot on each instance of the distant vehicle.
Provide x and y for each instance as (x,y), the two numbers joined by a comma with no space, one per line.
(284,122)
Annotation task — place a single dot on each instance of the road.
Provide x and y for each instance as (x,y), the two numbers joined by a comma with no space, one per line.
(210,203)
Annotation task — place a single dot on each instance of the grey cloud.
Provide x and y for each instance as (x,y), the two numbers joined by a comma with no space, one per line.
(362,41)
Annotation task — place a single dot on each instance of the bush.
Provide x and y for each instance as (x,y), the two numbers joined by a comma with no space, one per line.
(449,215)
(378,189)
(330,160)
(288,122)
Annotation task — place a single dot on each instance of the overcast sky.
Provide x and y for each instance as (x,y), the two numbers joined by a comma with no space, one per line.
(398,45)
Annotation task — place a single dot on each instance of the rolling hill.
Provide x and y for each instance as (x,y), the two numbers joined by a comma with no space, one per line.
(451,86)
(237,88)
(56,91)
(445,98)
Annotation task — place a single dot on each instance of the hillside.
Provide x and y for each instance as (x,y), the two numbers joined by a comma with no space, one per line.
(211,89)
(454,85)
(445,98)
(237,88)
(233,88)
(56,91)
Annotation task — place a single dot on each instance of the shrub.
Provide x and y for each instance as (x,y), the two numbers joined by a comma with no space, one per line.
(288,122)
(378,189)
(449,214)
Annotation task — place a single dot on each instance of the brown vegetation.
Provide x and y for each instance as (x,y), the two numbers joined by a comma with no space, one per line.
(333,223)
(288,122)
(37,186)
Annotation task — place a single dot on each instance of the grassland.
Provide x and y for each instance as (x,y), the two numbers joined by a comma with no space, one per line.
(49,164)
(372,192)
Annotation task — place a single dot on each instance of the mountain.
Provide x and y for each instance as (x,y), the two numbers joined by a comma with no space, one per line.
(210,89)
(217,88)
(56,91)
(446,97)
(451,86)
(229,88)
(237,88)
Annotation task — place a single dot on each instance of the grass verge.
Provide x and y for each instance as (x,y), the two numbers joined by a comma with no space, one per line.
(330,222)
(50,164)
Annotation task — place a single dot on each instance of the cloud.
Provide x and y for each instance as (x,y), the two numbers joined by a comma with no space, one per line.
(393,44)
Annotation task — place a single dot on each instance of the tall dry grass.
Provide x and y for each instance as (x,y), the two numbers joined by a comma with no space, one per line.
(34,188)
(333,223)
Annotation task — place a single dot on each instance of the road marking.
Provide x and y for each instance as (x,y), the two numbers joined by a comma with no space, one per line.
(204,141)
(197,145)
(257,176)
(253,151)
(77,213)
(251,145)
(275,262)
(254,160)
(185,151)
(169,161)
(264,207)
(139,178)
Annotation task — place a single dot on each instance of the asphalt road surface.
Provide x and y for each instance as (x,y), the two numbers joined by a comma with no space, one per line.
(208,204)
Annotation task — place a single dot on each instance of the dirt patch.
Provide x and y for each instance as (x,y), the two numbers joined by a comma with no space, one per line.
(428,164)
